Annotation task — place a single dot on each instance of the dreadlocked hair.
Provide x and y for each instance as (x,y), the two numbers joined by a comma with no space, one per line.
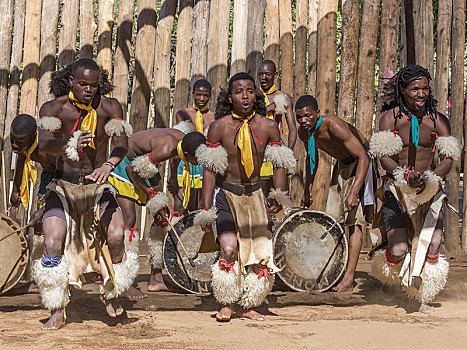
(392,96)
(60,84)
(224,107)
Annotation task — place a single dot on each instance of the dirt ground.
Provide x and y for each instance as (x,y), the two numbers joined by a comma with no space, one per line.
(367,318)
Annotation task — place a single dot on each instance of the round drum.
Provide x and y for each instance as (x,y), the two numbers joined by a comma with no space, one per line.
(307,261)
(201,248)
(15,253)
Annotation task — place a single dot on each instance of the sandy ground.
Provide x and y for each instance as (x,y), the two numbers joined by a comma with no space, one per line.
(367,318)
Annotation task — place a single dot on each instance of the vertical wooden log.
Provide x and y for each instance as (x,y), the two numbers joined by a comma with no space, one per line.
(301,17)
(388,47)
(68,28)
(50,10)
(218,43)
(442,53)
(199,53)
(144,62)
(366,68)
(286,46)
(239,37)
(87,28)
(457,111)
(403,38)
(15,77)
(423,33)
(255,36)
(31,57)
(6,23)
(325,90)
(123,52)
(104,40)
(312,45)
(349,54)
(183,55)
(409,37)
(271,31)
(162,64)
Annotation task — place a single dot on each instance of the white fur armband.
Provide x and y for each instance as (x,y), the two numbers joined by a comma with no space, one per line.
(186,127)
(51,124)
(156,203)
(213,158)
(281,104)
(281,157)
(205,217)
(282,197)
(72,150)
(116,127)
(143,167)
(385,144)
(449,147)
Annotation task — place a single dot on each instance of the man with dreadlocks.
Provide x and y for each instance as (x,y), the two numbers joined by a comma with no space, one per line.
(81,208)
(201,117)
(237,142)
(411,130)
(24,142)
(352,178)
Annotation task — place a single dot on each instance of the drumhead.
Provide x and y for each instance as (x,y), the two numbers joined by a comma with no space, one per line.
(15,253)
(192,279)
(307,262)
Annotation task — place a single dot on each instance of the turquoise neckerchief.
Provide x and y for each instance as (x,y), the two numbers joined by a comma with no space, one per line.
(415,127)
(311,145)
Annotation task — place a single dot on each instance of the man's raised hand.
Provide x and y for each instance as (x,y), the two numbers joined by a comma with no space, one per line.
(84,139)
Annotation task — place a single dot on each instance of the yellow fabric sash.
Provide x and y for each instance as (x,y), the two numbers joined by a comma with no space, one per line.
(29,173)
(90,120)
(186,177)
(270,91)
(199,118)
(244,143)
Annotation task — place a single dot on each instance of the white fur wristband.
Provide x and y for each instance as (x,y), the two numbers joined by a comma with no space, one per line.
(72,150)
(205,217)
(158,202)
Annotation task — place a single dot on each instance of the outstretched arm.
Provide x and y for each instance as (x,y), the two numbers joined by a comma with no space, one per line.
(291,123)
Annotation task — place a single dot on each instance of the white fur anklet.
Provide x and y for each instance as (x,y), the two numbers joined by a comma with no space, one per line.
(383,271)
(256,288)
(156,245)
(125,274)
(72,150)
(225,283)
(132,239)
(53,283)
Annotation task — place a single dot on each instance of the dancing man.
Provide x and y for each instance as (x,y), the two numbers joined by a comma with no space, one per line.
(81,208)
(238,140)
(410,131)
(351,182)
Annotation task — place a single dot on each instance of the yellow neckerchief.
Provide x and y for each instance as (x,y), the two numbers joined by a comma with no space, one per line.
(90,120)
(29,173)
(244,142)
(199,118)
(270,91)
(186,177)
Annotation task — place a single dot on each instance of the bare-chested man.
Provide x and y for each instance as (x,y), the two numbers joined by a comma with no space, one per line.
(345,143)
(238,140)
(81,206)
(24,141)
(201,116)
(137,180)
(411,130)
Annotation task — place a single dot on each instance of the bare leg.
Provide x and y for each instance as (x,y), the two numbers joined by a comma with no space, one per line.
(156,281)
(112,225)
(228,244)
(355,245)
(54,235)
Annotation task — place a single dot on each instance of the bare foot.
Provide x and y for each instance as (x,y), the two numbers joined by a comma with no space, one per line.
(426,309)
(346,285)
(112,306)
(134,294)
(156,282)
(225,314)
(56,320)
(252,314)
(33,288)
(27,288)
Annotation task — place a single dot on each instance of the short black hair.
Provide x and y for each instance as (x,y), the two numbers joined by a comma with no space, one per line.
(269,63)
(192,141)
(240,76)
(306,101)
(202,83)
(24,124)
(85,63)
